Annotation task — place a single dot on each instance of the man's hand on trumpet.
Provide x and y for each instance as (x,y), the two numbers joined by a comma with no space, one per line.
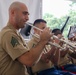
(45,35)
(53,54)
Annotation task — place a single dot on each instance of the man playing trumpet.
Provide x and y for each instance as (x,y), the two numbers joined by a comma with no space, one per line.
(49,57)
(72,38)
(65,62)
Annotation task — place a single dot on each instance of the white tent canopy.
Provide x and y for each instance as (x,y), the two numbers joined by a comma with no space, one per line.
(34,7)
(73,0)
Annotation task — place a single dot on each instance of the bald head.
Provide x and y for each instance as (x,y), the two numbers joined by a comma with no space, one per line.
(16,5)
(18,14)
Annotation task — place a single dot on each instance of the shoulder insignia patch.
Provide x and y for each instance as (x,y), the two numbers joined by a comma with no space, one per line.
(14,41)
(33,45)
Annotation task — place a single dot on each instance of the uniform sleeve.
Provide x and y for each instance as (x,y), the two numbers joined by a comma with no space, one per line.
(32,43)
(13,45)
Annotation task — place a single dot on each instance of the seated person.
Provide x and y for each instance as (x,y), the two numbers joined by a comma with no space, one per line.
(72,38)
(65,60)
(48,58)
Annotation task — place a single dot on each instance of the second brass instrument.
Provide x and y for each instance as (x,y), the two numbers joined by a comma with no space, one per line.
(54,44)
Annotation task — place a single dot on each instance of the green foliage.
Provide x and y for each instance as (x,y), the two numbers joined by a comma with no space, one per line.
(54,22)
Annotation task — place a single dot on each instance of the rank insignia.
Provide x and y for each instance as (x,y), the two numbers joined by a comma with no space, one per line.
(33,45)
(14,41)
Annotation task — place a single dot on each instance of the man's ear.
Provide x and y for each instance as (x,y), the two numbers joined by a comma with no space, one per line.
(12,11)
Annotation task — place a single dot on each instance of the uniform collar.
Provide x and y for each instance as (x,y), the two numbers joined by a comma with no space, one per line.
(12,27)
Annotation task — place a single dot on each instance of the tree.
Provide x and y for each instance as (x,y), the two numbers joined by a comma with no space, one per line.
(54,22)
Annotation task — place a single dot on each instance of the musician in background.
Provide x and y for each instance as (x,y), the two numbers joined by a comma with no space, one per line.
(49,57)
(72,38)
(65,63)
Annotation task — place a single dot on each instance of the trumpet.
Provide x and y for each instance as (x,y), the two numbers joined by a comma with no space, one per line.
(51,43)
(54,36)
(67,42)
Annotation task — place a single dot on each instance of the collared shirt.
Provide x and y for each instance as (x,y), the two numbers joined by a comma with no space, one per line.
(11,47)
(65,60)
(40,65)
